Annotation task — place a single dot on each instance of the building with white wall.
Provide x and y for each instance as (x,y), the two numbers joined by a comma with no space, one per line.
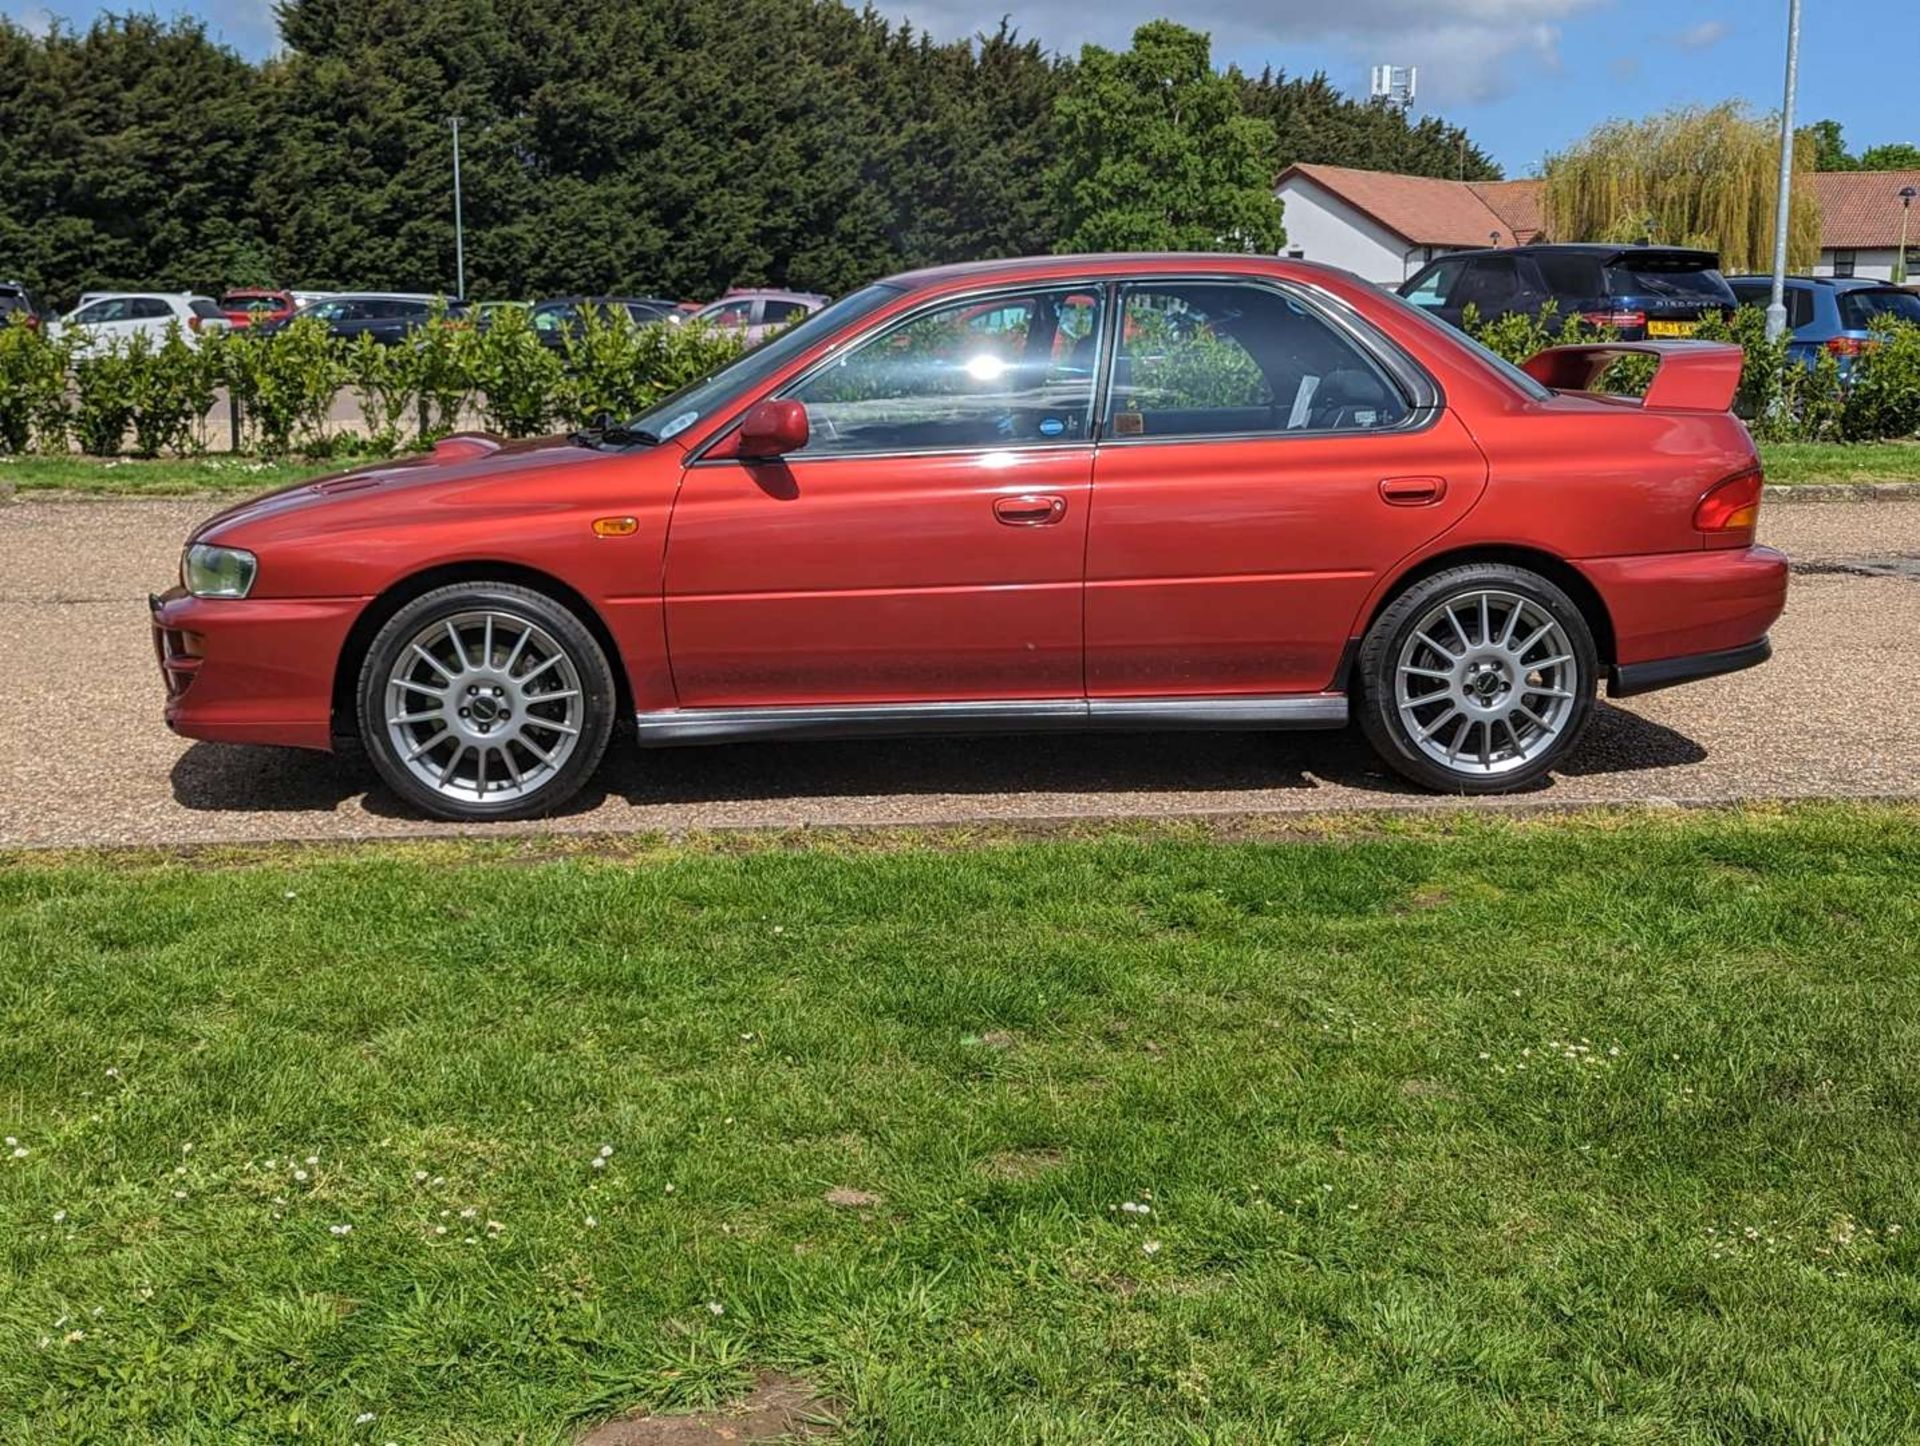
(1384,227)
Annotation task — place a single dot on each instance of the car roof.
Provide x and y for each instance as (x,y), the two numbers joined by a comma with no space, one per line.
(1601,251)
(1836,283)
(766,293)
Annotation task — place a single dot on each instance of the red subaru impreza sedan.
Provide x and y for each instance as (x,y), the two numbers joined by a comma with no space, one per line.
(1116,492)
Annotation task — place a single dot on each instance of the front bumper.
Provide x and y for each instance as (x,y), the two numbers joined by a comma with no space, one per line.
(250,670)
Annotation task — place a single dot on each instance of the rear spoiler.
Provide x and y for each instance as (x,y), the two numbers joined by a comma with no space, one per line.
(1694,376)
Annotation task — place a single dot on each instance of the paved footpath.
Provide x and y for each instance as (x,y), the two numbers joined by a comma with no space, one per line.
(84,758)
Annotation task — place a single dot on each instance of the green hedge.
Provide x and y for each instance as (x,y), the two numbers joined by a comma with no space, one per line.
(1783,399)
(152,398)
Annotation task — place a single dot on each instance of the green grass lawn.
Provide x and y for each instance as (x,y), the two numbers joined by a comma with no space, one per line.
(1603,1129)
(1787,463)
(157,477)
(1791,463)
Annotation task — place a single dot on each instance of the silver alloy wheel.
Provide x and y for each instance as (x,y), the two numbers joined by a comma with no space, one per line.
(1485,682)
(484,707)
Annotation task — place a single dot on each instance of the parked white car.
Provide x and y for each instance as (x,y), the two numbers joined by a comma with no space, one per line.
(759,313)
(119,316)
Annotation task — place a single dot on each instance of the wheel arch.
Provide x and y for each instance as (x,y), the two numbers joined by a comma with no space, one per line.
(375,615)
(1556,570)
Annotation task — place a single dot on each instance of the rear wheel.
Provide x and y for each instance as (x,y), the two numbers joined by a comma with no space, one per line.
(1478,679)
(485,701)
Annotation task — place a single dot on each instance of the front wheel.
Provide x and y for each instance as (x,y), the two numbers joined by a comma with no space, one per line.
(485,701)
(1478,679)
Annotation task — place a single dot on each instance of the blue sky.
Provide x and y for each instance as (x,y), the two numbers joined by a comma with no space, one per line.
(1524,76)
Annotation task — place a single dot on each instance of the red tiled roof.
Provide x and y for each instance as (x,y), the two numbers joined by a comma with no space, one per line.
(1522,203)
(1433,211)
(1861,209)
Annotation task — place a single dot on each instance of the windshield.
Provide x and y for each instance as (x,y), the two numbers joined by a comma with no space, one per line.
(1858,309)
(676,413)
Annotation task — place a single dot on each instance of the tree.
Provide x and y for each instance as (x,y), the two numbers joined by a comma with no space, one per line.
(1829,146)
(1899,156)
(1690,177)
(1316,122)
(1157,153)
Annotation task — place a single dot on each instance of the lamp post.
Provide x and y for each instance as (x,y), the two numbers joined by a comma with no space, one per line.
(459,229)
(1907,193)
(1777,307)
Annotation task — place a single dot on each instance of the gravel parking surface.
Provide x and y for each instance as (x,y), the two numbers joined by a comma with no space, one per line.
(85,759)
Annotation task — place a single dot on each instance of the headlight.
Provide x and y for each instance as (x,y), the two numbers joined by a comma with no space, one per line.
(208,571)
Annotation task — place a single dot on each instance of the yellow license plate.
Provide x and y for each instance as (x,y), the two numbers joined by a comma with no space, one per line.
(1672,328)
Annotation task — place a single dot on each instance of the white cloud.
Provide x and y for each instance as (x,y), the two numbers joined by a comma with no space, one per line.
(1704,36)
(1467,50)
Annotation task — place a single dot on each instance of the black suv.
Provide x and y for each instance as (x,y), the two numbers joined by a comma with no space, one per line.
(1642,292)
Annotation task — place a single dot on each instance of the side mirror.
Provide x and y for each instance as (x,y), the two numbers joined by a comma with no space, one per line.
(773,429)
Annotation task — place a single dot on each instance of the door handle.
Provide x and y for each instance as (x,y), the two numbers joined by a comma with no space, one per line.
(1412,491)
(1032,510)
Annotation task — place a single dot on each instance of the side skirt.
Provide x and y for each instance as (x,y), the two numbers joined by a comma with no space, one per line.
(674,726)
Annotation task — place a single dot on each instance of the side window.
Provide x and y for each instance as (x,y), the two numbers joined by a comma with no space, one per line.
(1492,285)
(149,308)
(552,318)
(1435,288)
(1799,306)
(779,313)
(1570,278)
(1213,359)
(100,311)
(1015,372)
(734,313)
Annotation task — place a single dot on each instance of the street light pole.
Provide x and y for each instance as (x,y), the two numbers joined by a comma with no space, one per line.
(459,229)
(1907,193)
(1777,307)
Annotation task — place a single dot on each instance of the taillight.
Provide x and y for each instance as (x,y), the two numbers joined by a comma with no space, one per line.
(193,323)
(1731,509)
(1618,320)
(1848,345)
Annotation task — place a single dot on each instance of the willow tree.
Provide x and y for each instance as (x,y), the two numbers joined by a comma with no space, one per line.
(1696,176)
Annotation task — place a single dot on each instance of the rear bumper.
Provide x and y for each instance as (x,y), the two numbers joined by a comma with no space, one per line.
(252,670)
(1667,608)
(1634,678)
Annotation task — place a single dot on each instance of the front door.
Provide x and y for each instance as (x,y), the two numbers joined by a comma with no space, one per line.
(1258,471)
(927,544)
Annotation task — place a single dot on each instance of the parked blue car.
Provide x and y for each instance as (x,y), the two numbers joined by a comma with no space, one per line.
(1830,313)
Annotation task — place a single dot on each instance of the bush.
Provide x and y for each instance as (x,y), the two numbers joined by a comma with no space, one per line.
(1884,401)
(34,408)
(517,377)
(617,369)
(170,389)
(437,354)
(1782,399)
(103,400)
(285,382)
(388,383)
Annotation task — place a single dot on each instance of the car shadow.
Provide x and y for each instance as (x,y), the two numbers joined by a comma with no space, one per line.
(217,777)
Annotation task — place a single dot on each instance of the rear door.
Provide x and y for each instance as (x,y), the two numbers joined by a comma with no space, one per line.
(1259,469)
(927,545)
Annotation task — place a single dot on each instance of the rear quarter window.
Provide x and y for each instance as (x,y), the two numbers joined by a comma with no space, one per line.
(1571,276)
(206,310)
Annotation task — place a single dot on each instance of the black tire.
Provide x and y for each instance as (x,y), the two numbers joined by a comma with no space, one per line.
(1486,711)
(544,714)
